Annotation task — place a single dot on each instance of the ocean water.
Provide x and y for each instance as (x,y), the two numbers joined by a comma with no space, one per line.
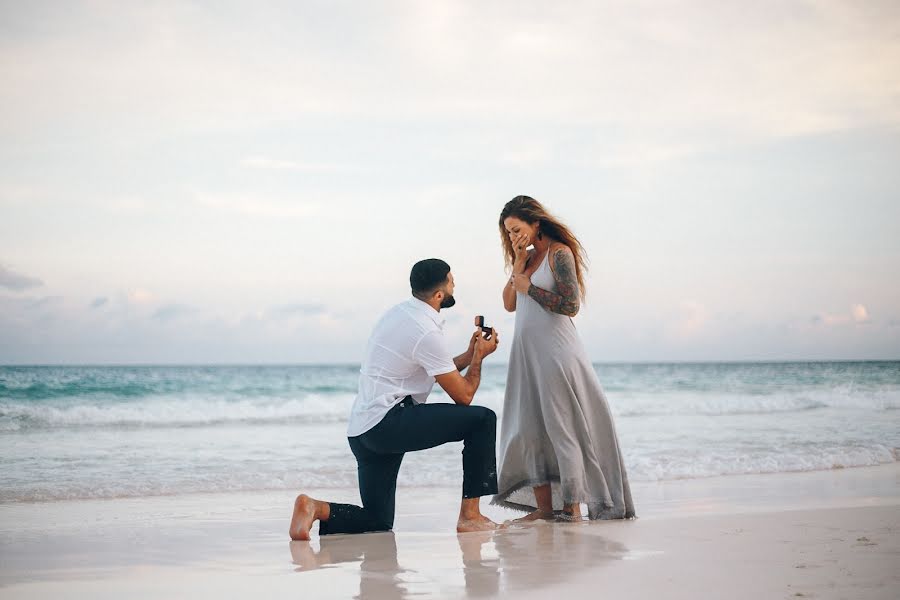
(104,432)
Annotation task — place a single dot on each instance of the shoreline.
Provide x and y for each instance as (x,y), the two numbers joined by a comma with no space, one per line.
(737,480)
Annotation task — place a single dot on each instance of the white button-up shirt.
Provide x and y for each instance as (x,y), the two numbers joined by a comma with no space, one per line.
(405,352)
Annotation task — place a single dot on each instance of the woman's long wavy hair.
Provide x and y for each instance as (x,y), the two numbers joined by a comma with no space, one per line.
(530,210)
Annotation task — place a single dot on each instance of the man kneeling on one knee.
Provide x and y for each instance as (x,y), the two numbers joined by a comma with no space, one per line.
(406,354)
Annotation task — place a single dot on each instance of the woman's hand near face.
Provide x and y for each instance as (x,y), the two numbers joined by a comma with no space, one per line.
(520,249)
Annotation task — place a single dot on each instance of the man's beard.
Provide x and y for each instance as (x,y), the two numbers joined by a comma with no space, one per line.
(448,301)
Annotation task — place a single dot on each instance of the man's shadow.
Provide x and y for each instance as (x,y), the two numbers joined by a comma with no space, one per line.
(509,560)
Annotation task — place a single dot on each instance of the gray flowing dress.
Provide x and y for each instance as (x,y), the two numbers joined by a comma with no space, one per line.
(556,426)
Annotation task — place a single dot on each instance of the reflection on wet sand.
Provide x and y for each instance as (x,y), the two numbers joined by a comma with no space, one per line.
(533,556)
(509,560)
(379,572)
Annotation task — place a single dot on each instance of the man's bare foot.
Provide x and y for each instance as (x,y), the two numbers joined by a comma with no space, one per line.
(304,517)
(538,515)
(474,523)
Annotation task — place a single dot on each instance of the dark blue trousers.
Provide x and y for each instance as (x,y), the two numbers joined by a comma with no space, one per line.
(406,428)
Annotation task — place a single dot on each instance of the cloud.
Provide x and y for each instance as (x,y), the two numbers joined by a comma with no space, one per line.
(262,162)
(256,206)
(778,68)
(98,302)
(298,309)
(45,301)
(527,154)
(173,311)
(16,281)
(128,205)
(857,314)
(12,194)
(640,153)
(139,296)
(691,319)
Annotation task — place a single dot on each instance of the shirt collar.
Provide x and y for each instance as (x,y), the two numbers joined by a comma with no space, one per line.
(428,310)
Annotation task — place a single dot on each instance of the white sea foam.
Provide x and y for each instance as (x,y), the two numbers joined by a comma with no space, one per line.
(167,411)
(693,465)
(441,469)
(712,404)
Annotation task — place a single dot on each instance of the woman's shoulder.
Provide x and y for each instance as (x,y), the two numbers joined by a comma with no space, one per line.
(558,250)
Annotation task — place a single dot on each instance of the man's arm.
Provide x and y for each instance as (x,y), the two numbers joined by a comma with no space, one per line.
(461,389)
(465,359)
(566,302)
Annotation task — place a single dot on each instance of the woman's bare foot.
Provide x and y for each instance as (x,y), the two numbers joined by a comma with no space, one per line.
(538,515)
(306,511)
(571,512)
(474,523)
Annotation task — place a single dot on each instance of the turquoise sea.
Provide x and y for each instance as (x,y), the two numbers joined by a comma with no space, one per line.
(120,431)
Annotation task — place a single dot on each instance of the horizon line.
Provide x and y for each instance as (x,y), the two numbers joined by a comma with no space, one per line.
(504,364)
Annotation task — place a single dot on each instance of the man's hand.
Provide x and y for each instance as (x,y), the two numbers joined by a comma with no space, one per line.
(483,346)
(465,359)
(474,338)
(462,389)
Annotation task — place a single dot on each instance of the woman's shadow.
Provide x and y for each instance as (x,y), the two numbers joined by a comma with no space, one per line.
(510,560)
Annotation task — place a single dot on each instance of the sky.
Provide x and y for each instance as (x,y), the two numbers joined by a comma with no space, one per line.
(244,182)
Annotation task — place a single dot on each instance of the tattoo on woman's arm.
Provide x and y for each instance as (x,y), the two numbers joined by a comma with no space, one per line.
(566,302)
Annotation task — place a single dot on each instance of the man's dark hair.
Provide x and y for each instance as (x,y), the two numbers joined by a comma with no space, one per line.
(427,276)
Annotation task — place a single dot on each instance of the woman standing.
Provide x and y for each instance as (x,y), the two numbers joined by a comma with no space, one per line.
(558,444)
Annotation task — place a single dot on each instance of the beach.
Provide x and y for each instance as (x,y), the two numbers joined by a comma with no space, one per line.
(824,534)
(750,480)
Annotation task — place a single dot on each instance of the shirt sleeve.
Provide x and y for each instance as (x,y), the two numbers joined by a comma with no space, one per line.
(432,354)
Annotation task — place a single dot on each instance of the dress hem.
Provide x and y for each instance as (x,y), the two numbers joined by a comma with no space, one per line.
(601,510)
